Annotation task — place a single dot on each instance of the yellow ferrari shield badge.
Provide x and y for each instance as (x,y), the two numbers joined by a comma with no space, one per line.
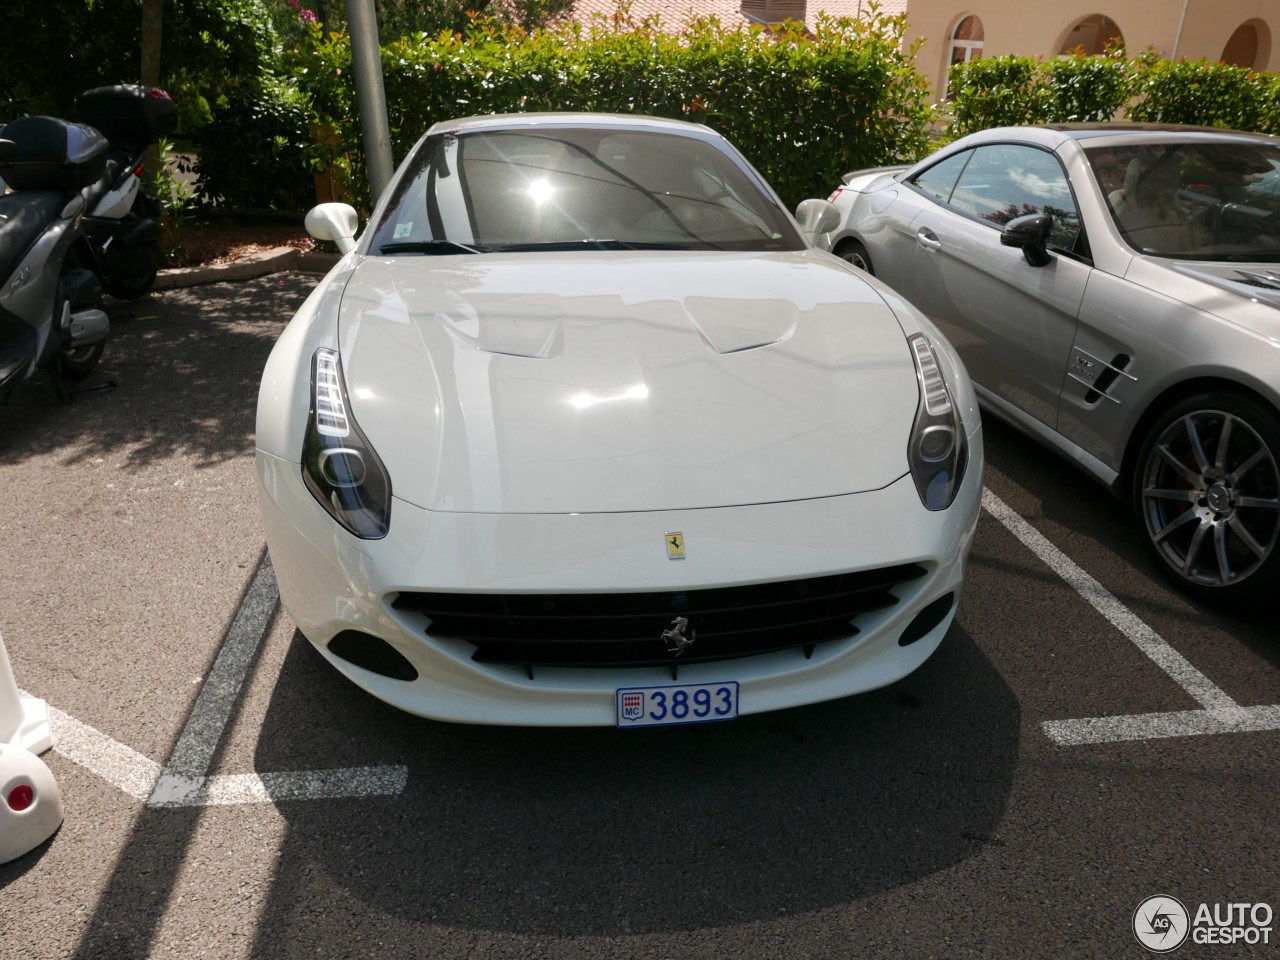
(675,545)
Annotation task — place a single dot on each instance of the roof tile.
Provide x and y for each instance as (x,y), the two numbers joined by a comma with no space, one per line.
(728,12)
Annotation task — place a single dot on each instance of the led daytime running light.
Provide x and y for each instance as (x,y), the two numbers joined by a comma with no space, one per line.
(937,401)
(331,410)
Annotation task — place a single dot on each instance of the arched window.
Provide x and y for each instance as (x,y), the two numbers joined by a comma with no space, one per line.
(966,45)
(1092,35)
(966,41)
(1249,46)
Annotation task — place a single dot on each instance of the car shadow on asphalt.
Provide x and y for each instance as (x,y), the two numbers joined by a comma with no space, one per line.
(179,375)
(601,832)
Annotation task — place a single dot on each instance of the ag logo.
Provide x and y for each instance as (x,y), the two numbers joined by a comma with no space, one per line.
(1161,924)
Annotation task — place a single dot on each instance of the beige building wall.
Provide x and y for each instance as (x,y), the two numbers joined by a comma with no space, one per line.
(1245,32)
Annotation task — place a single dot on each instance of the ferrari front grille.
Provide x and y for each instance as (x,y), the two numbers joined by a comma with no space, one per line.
(644,629)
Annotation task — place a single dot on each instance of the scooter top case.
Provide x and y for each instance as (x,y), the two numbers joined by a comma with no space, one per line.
(48,161)
(130,115)
(52,154)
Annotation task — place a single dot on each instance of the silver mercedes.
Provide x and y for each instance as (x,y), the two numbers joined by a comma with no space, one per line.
(1115,292)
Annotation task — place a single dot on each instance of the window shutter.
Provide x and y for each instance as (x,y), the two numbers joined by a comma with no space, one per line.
(774,11)
(780,10)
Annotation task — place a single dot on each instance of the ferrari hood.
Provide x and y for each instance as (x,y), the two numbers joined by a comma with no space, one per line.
(603,382)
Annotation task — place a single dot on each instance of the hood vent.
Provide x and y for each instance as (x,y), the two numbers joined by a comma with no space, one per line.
(1268,279)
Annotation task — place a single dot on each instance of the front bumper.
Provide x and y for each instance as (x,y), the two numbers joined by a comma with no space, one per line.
(331,582)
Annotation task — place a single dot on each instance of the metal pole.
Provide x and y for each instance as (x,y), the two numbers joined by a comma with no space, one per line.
(371,96)
(1177,40)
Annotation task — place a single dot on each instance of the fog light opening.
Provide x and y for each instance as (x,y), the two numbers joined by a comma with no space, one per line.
(927,619)
(373,654)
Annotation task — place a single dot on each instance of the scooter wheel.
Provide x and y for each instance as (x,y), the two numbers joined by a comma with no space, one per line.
(131,289)
(133,272)
(78,362)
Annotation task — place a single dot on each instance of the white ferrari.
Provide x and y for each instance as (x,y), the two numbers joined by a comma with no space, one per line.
(583,430)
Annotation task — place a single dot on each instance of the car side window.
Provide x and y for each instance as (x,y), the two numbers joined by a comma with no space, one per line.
(940,179)
(1004,181)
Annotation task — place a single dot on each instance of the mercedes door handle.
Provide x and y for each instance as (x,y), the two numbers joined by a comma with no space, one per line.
(928,239)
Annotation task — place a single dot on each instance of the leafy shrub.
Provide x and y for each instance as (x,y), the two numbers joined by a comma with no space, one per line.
(256,152)
(1206,94)
(1082,88)
(802,108)
(997,91)
(66,47)
(1010,90)
(993,92)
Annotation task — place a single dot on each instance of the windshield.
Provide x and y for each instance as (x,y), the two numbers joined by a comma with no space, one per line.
(576,188)
(1203,200)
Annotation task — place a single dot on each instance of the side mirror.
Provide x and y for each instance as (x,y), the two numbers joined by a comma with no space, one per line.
(1031,235)
(335,222)
(817,216)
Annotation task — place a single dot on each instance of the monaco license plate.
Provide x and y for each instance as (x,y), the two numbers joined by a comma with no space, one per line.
(677,703)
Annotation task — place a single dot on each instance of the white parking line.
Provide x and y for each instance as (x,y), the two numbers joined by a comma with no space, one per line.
(119,765)
(185,779)
(1152,726)
(193,753)
(351,782)
(1221,713)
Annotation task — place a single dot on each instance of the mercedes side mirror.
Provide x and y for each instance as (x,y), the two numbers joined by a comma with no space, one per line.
(1031,235)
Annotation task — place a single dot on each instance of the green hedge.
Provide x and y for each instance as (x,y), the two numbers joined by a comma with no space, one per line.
(998,91)
(1207,94)
(803,108)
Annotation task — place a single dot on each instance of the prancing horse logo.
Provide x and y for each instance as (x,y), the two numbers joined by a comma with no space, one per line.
(675,634)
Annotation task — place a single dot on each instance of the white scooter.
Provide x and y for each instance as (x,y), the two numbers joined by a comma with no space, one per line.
(122,217)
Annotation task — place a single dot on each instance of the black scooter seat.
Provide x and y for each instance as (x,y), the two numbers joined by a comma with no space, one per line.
(23,218)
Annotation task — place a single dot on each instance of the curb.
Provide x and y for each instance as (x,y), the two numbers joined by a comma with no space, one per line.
(274,260)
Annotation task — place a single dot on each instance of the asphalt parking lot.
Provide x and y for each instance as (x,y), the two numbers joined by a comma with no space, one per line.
(1084,739)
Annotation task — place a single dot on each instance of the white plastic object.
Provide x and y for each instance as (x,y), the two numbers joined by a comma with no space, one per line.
(30,802)
(24,721)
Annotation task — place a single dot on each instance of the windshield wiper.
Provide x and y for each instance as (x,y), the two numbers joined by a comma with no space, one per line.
(429,246)
(590,243)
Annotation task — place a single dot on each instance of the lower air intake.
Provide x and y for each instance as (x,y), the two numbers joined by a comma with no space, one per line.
(627,629)
(926,620)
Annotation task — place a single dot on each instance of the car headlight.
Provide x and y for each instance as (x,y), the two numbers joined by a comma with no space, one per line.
(938,451)
(339,465)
